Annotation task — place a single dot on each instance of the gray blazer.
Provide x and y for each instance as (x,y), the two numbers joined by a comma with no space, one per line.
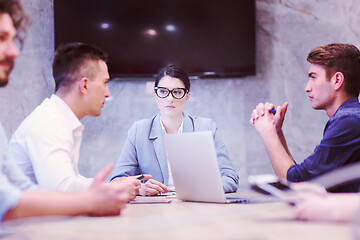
(144,152)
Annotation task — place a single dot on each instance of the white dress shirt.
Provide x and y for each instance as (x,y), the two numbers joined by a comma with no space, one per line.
(46,146)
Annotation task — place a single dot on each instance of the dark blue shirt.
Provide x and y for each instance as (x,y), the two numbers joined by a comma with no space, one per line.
(340,146)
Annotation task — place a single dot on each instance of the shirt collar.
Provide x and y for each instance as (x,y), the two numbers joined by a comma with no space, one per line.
(68,113)
(180,130)
(348,103)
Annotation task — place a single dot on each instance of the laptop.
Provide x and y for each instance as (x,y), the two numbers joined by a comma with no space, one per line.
(195,169)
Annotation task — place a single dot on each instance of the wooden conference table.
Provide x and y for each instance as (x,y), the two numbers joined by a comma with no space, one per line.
(184,220)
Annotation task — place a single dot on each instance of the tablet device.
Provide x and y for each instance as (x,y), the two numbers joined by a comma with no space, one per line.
(270,184)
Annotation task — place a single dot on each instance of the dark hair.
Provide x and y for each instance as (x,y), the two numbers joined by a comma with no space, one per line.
(338,57)
(71,60)
(20,20)
(174,71)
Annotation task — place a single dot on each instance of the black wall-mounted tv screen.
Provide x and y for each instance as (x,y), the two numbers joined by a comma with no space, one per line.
(209,38)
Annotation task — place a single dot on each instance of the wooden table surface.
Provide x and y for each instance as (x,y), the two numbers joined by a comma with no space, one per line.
(184,220)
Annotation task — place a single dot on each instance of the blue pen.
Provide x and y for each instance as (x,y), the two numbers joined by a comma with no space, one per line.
(140,177)
(272,111)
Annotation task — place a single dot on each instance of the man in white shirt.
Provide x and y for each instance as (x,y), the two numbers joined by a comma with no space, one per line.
(46,145)
(19,197)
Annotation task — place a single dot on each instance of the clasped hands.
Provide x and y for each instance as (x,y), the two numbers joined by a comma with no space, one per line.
(262,119)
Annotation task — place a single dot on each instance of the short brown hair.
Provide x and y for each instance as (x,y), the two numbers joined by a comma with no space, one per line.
(338,57)
(20,20)
(70,59)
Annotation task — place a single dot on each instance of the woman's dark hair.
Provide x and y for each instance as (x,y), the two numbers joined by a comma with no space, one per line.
(174,71)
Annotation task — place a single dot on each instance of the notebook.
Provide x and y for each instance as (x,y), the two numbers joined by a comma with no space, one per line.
(195,169)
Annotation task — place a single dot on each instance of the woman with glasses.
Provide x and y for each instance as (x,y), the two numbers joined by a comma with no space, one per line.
(144,151)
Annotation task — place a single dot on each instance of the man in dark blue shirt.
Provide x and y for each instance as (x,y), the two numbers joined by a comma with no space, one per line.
(334,85)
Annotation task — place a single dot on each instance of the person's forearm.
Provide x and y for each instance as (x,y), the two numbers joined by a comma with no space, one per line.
(279,154)
(284,143)
(58,173)
(75,183)
(344,206)
(44,202)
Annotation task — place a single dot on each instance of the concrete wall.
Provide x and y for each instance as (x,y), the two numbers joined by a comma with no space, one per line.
(286,31)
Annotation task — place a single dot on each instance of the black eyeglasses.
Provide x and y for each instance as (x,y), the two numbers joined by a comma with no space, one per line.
(177,93)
